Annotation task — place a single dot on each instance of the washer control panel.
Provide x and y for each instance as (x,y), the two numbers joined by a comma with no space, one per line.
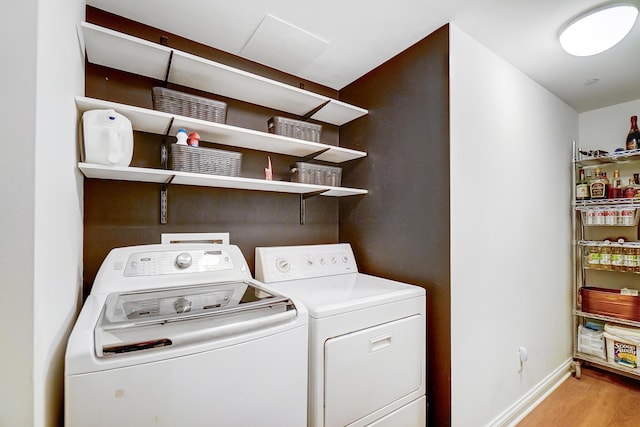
(280,263)
(172,262)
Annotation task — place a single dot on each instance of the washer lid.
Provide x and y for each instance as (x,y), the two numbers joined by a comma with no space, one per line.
(328,296)
(143,320)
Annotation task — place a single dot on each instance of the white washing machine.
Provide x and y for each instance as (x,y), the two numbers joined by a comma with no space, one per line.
(181,335)
(367,338)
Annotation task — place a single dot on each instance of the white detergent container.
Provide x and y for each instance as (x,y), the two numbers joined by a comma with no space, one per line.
(108,138)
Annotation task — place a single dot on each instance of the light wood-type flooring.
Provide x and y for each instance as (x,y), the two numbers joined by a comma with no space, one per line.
(597,399)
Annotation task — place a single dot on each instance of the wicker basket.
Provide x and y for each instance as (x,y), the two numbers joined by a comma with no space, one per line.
(294,128)
(184,104)
(308,173)
(205,160)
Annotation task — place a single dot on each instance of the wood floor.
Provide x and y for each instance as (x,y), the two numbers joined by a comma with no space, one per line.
(597,399)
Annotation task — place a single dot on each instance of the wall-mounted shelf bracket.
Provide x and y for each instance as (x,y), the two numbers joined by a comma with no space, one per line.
(164,153)
(315,110)
(303,201)
(314,155)
(163,200)
(166,74)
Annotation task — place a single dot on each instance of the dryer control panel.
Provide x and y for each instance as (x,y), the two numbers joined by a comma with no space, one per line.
(281,263)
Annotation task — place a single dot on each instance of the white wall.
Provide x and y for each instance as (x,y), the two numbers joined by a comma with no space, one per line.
(510,232)
(607,128)
(40,256)
(58,201)
(17,189)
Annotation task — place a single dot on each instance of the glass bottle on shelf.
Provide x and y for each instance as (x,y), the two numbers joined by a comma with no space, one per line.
(607,184)
(605,256)
(636,266)
(617,258)
(593,256)
(615,189)
(629,191)
(582,187)
(597,187)
(629,259)
(633,137)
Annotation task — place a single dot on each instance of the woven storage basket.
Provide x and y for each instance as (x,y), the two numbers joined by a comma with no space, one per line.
(205,160)
(308,173)
(184,104)
(294,128)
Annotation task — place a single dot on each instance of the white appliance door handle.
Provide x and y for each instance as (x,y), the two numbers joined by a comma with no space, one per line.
(379,343)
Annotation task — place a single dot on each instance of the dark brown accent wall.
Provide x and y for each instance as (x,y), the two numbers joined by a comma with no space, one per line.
(400,230)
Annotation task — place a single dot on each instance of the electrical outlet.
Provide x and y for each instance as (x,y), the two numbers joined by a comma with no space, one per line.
(523,356)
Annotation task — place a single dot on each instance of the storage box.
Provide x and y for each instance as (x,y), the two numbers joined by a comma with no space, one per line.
(205,160)
(609,302)
(610,216)
(309,173)
(622,345)
(294,128)
(184,104)
(591,342)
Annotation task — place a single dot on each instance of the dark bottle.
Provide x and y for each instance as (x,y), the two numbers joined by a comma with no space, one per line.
(582,187)
(615,188)
(633,138)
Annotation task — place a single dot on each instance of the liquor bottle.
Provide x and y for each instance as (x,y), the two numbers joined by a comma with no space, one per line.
(597,187)
(607,184)
(629,191)
(633,138)
(615,189)
(582,187)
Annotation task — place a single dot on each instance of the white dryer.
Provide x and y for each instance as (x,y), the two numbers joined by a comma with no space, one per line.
(177,335)
(367,338)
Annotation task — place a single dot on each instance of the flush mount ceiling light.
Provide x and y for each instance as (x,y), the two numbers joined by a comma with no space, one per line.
(598,30)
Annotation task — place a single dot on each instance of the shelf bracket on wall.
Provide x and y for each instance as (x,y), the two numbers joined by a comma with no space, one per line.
(164,153)
(303,201)
(314,155)
(166,74)
(307,116)
(164,160)
(164,200)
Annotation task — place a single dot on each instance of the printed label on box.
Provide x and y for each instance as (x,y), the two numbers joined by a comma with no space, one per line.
(625,354)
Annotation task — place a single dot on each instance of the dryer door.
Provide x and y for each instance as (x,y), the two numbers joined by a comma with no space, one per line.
(369,369)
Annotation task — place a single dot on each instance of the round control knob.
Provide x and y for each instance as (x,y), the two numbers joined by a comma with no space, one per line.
(182,305)
(183,260)
(283,265)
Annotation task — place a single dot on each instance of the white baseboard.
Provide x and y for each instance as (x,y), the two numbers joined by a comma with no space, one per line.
(513,415)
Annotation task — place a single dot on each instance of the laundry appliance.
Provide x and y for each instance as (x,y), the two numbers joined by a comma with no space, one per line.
(367,338)
(181,335)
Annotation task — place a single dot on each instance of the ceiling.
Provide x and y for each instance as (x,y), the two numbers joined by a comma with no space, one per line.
(334,42)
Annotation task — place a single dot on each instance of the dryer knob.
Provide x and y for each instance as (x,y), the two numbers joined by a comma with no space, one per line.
(183,260)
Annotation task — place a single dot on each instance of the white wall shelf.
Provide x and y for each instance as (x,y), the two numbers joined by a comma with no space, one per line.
(123,52)
(164,176)
(131,54)
(161,123)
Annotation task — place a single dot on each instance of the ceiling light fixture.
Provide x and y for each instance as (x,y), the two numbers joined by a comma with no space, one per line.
(598,30)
